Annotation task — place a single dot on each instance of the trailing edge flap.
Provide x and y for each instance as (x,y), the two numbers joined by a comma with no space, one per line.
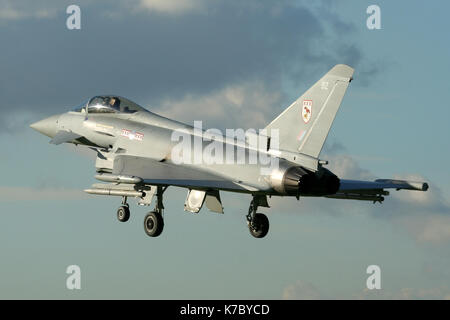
(64,136)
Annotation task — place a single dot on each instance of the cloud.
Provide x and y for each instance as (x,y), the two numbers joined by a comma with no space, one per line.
(245,105)
(345,166)
(425,215)
(171,6)
(274,45)
(301,291)
(18,10)
(433,200)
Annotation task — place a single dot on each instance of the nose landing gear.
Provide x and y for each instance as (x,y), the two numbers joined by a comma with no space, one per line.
(123,213)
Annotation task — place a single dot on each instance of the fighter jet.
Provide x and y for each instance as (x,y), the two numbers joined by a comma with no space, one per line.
(139,155)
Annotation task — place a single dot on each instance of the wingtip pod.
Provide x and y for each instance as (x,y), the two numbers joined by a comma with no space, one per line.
(419,186)
(342,70)
(422,186)
(408,185)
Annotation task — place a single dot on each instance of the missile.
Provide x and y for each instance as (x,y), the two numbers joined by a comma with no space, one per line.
(107,177)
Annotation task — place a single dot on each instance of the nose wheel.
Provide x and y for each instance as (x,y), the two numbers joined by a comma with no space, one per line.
(123,213)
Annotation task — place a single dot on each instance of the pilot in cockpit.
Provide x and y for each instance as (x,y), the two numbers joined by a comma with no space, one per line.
(114,103)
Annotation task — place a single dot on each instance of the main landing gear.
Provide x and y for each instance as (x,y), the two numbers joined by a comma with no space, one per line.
(154,221)
(258,223)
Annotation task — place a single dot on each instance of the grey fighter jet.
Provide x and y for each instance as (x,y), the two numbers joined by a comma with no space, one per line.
(138,157)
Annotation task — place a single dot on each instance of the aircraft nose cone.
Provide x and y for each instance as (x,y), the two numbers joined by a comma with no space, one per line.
(46,126)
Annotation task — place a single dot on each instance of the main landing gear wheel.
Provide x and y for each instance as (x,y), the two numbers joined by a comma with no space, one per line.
(123,213)
(154,221)
(153,224)
(259,225)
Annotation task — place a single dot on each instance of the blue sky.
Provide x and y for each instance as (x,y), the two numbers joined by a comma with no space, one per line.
(232,64)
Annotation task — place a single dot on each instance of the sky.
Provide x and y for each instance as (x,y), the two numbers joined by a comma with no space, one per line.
(232,64)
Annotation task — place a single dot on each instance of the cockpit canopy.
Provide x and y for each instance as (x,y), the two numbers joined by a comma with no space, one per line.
(109,104)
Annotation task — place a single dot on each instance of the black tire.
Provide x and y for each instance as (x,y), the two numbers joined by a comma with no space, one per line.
(123,213)
(259,227)
(153,224)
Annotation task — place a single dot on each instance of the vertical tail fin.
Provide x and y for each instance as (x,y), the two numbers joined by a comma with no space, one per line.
(304,125)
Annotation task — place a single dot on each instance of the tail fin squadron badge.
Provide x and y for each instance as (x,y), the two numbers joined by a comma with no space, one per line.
(307,110)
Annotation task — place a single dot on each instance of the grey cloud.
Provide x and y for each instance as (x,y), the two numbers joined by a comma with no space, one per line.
(19,10)
(425,215)
(347,167)
(152,57)
(170,6)
(245,105)
(333,147)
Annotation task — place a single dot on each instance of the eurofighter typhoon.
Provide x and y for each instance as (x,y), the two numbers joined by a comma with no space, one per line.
(140,154)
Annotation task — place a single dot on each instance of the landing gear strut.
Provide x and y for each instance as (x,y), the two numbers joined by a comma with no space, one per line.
(258,223)
(154,222)
(123,213)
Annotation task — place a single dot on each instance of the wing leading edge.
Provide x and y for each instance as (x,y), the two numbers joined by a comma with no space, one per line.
(374,190)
